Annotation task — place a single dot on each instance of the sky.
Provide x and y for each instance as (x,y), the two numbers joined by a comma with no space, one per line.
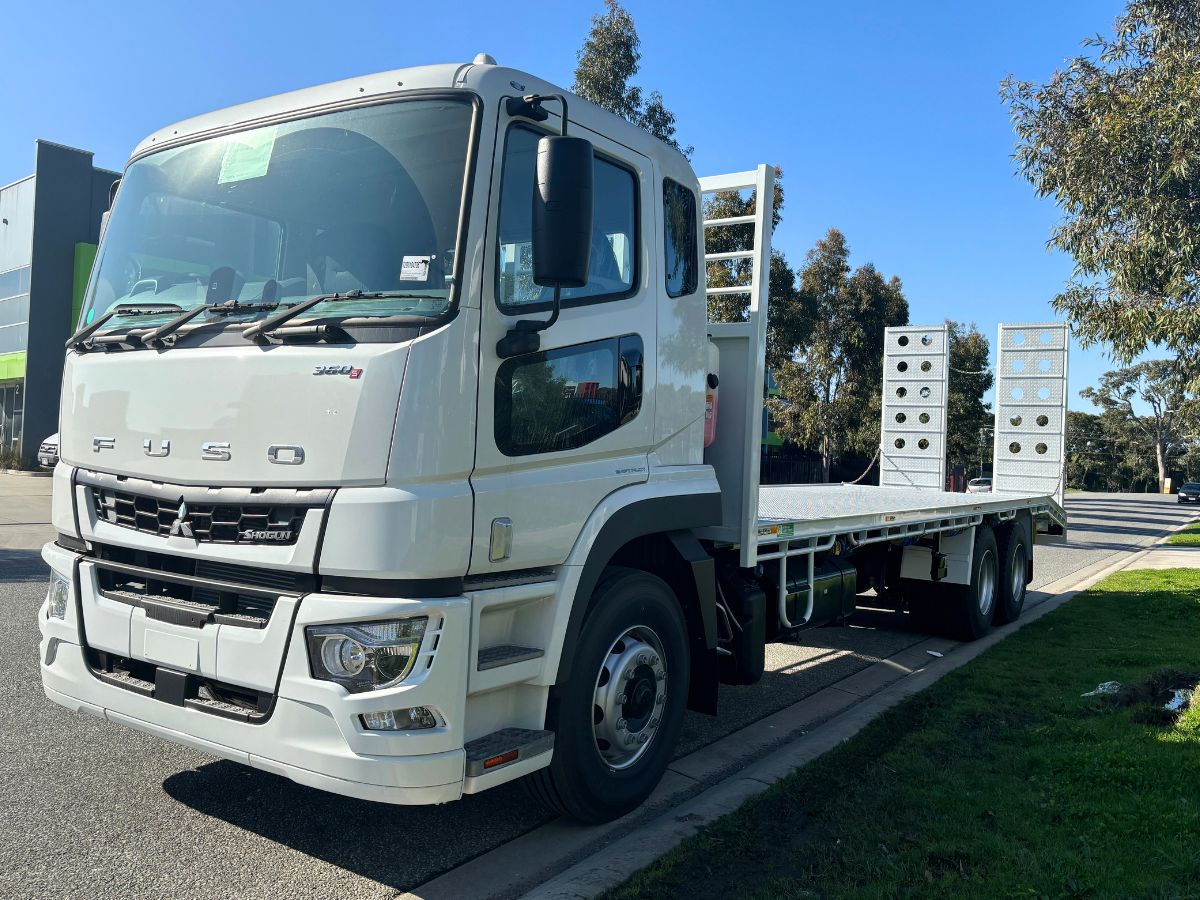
(885,117)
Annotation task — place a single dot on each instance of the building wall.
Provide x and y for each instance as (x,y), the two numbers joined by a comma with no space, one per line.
(16,237)
(16,241)
(49,226)
(69,200)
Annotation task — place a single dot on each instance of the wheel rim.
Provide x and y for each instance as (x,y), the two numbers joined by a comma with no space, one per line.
(1017,576)
(630,696)
(987,584)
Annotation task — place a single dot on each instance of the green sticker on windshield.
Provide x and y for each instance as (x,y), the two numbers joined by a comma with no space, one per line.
(247,155)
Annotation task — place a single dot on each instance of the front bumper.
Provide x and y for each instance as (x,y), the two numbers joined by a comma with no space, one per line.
(1183,499)
(313,735)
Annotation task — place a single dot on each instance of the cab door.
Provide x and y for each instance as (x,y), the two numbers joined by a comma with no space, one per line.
(562,428)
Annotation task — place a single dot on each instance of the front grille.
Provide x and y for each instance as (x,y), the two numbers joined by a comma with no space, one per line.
(218,515)
(274,579)
(206,522)
(201,591)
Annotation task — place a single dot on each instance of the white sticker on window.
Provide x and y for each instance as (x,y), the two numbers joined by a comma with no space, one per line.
(415,268)
(247,156)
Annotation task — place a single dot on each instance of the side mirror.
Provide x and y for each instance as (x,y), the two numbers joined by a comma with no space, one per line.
(112,192)
(562,212)
(562,231)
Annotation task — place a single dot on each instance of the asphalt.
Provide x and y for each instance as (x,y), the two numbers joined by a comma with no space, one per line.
(89,808)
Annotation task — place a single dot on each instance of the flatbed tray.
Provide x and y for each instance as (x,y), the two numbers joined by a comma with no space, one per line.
(811,510)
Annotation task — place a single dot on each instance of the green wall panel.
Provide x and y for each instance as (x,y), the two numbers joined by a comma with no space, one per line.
(12,365)
(85,255)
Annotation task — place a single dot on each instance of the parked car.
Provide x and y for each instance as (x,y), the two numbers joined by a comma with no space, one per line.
(979,486)
(48,452)
(1190,492)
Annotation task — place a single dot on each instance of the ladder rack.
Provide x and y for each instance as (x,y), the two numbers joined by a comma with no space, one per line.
(742,346)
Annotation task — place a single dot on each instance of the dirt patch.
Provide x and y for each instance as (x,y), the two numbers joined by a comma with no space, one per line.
(1159,700)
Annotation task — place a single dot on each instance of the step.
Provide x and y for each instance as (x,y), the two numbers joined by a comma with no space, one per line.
(505,747)
(130,682)
(505,655)
(220,708)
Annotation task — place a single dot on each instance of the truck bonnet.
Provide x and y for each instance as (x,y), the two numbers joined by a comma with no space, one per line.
(318,416)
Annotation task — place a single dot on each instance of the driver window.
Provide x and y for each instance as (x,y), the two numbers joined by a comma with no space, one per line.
(613,263)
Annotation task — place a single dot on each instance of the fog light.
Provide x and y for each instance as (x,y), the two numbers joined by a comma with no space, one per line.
(400,719)
(60,590)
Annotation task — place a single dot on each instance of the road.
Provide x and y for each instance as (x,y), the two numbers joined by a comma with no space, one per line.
(88,808)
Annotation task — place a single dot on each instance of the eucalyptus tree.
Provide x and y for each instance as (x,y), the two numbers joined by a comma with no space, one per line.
(609,59)
(829,388)
(1114,139)
(1162,387)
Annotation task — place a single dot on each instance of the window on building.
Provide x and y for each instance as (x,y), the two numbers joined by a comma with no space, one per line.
(14,310)
(614,235)
(564,398)
(14,281)
(14,337)
(679,239)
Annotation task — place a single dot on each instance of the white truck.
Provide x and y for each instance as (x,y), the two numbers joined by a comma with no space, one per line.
(383,460)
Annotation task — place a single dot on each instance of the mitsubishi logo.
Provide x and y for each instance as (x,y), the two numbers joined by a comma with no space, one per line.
(181,526)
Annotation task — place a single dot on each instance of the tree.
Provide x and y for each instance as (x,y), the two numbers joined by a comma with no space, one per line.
(1161,385)
(1087,450)
(826,384)
(882,304)
(1114,138)
(970,378)
(610,57)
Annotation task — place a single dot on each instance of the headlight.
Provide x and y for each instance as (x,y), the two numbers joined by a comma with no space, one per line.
(60,591)
(365,656)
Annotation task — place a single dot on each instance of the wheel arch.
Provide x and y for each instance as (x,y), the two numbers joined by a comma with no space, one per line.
(652,534)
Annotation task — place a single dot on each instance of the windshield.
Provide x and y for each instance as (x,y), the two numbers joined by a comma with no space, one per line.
(365,199)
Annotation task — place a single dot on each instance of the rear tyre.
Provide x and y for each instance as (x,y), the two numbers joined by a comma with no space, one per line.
(1014,558)
(618,716)
(972,606)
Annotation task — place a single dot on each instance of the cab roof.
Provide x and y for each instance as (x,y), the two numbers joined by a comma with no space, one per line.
(488,80)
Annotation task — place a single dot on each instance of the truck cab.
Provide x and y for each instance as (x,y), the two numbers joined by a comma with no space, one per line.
(335,548)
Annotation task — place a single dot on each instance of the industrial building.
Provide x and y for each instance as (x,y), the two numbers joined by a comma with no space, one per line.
(49,227)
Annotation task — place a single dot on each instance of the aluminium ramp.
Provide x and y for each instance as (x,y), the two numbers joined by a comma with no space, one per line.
(912,433)
(1031,409)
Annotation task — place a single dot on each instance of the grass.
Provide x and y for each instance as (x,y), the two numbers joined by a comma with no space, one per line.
(997,781)
(1188,537)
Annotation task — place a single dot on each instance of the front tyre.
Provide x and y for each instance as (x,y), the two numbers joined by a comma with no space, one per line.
(618,716)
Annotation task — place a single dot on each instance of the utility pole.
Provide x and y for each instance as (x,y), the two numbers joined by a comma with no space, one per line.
(982,434)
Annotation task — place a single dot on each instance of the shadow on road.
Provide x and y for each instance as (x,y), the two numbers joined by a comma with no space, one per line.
(398,846)
(22,565)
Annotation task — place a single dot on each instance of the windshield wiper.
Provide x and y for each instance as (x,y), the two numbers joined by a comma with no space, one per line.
(75,341)
(226,308)
(157,335)
(260,330)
